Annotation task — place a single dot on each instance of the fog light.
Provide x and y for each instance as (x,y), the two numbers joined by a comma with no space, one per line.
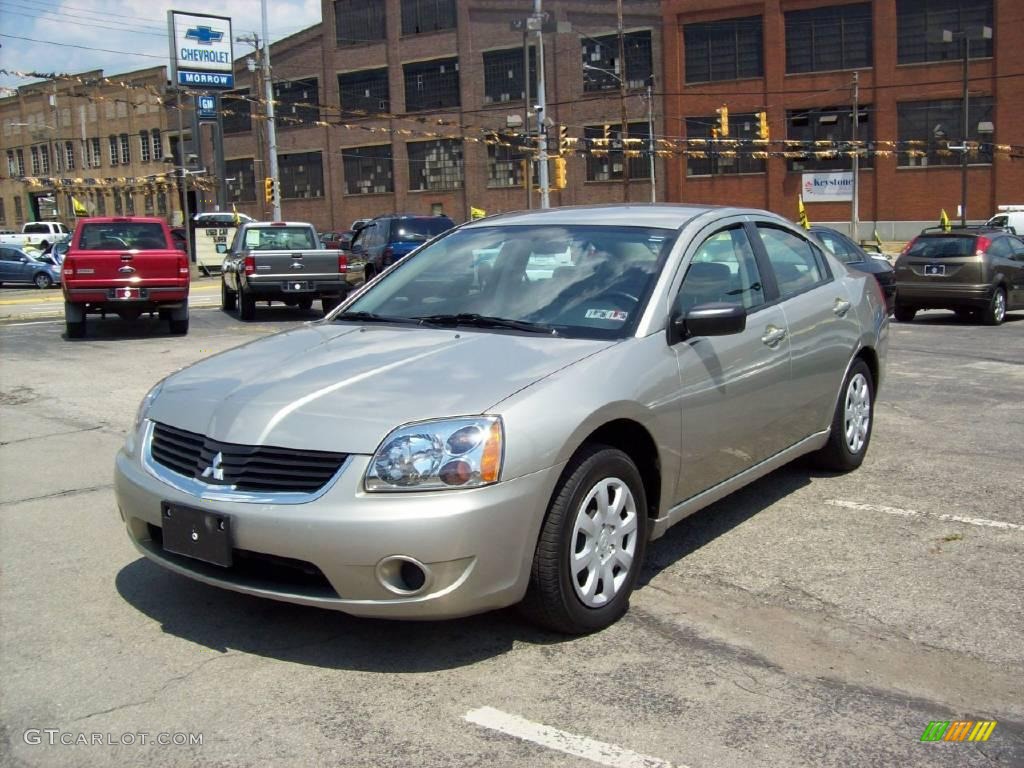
(403,575)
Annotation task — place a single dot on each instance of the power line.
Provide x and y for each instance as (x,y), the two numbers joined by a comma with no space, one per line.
(123,28)
(83,47)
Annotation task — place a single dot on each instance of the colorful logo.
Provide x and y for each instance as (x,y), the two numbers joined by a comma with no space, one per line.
(958,730)
(204,35)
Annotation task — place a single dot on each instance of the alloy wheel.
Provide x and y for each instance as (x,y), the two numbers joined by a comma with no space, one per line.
(604,541)
(857,413)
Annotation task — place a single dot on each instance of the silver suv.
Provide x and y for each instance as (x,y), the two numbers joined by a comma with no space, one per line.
(485,425)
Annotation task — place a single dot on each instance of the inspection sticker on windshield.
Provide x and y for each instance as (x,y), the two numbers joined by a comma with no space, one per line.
(607,314)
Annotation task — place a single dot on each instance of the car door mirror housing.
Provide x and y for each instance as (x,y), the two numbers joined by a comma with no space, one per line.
(711,319)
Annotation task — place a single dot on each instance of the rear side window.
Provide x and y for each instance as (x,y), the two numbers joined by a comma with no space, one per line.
(120,236)
(837,244)
(942,247)
(418,230)
(796,263)
(36,229)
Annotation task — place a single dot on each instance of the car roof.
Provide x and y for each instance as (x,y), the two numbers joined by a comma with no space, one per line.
(659,215)
(968,231)
(122,220)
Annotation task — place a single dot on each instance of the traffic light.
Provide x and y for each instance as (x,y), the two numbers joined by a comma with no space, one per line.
(762,127)
(269,190)
(523,175)
(558,174)
(563,138)
(723,120)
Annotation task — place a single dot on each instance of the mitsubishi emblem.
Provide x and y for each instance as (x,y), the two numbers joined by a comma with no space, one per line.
(216,468)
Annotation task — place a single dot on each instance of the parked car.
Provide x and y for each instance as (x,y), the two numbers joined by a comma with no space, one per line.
(977,272)
(1010,218)
(37,234)
(537,433)
(856,257)
(124,265)
(282,261)
(385,239)
(17,266)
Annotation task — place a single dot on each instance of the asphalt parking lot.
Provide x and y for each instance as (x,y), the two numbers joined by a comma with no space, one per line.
(808,620)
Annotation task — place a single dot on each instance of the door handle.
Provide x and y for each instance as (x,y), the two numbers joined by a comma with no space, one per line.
(772,336)
(841,307)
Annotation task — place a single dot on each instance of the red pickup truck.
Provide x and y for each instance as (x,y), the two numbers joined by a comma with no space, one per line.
(125,265)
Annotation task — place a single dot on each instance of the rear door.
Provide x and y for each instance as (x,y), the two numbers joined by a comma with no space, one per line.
(125,252)
(10,266)
(823,328)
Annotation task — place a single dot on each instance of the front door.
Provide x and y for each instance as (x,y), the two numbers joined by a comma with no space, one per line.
(731,386)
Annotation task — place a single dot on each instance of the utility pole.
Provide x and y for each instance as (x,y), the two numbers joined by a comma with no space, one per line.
(526,114)
(256,68)
(855,207)
(624,127)
(537,22)
(650,136)
(963,136)
(268,86)
(183,178)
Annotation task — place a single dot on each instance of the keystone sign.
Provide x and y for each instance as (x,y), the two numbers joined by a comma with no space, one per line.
(201,50)
(827,187)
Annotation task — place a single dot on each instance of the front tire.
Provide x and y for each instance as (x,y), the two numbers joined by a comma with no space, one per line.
(851,423)
(42,281)
(904,314)
(995,312)
(591,544)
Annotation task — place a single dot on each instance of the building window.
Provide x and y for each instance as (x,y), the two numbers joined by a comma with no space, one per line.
(919,26)
(3,213)
(835,37)
(112,145)
(505,156)
(833,125)
(718,158)
(927,128)
(126,150)
(129,203)
(431,84)
(44,158)
(96,153)
(297,102)
(118,208)
(144,146)
(34,155)
(158,147)
(302,175)
(69,155)
(21,163)
(503,75)
(365,92)
(241,180)
(237,112)
(604,161)
(601,70)
(147,204)
(12,167)
(435,165)
(420,16)
(368,170)
(359,21)
(724,50)
(19,213)
(161,203)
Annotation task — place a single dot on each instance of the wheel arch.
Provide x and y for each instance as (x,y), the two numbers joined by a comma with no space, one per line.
(633,439)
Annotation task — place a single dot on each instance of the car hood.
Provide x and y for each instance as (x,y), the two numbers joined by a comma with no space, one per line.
(342,387)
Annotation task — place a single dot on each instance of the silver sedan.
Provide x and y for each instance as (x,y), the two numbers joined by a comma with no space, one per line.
(509,415)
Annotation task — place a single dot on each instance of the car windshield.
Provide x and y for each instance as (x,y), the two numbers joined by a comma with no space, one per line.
(583,281)
(115,236)
(278,238)
(418,230)
(943,245)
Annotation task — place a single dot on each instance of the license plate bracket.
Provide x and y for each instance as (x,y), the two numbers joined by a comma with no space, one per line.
(197,533)
(938,270)
(297,285)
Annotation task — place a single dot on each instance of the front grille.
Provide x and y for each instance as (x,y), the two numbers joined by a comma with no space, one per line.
(259,468)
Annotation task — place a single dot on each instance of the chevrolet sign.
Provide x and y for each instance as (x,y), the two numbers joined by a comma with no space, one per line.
(201,50)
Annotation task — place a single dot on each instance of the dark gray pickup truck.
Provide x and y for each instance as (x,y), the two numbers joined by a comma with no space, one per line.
(283,261)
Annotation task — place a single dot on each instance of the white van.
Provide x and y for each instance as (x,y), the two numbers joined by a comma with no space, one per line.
(1010,217)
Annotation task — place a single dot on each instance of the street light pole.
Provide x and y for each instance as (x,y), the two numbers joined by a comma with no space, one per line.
(183,177)
(624,121)
(537,21)
(963,135)
(855,207)
(650,137)
(268,86)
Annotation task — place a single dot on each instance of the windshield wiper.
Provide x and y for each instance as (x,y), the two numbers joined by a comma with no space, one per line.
(487,321)
(373,317)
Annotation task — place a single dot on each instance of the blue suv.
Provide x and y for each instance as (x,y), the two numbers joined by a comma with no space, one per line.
(385,239)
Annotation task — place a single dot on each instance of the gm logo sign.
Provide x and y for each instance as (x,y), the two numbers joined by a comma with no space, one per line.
(206,106)
(204,35)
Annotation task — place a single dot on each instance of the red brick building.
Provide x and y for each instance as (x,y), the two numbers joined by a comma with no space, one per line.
(389,105)
(795,60)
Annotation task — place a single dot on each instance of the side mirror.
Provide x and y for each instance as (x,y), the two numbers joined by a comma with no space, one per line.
(23,259)
(222,248)
(713,319)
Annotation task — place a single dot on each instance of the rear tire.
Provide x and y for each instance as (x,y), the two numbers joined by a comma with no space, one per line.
(228,299)
(179,321)
(995,312)
(74,320)
(42,281)
(591,544)
(852,421)
(904,314)
(246,306)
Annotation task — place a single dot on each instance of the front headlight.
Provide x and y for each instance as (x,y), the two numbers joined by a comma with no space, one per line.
(147,403)
(432,455)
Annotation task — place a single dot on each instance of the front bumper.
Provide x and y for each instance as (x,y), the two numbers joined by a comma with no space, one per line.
(477,545)
(944,295)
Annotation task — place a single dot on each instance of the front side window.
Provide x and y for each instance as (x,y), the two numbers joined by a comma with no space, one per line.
(583,281)
(724,50)
(723,269)
(926,130)
(823,39)
(796,266)
(920,24)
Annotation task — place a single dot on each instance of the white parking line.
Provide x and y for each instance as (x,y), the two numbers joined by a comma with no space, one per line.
(562,741)
(979,521)
(34,322)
